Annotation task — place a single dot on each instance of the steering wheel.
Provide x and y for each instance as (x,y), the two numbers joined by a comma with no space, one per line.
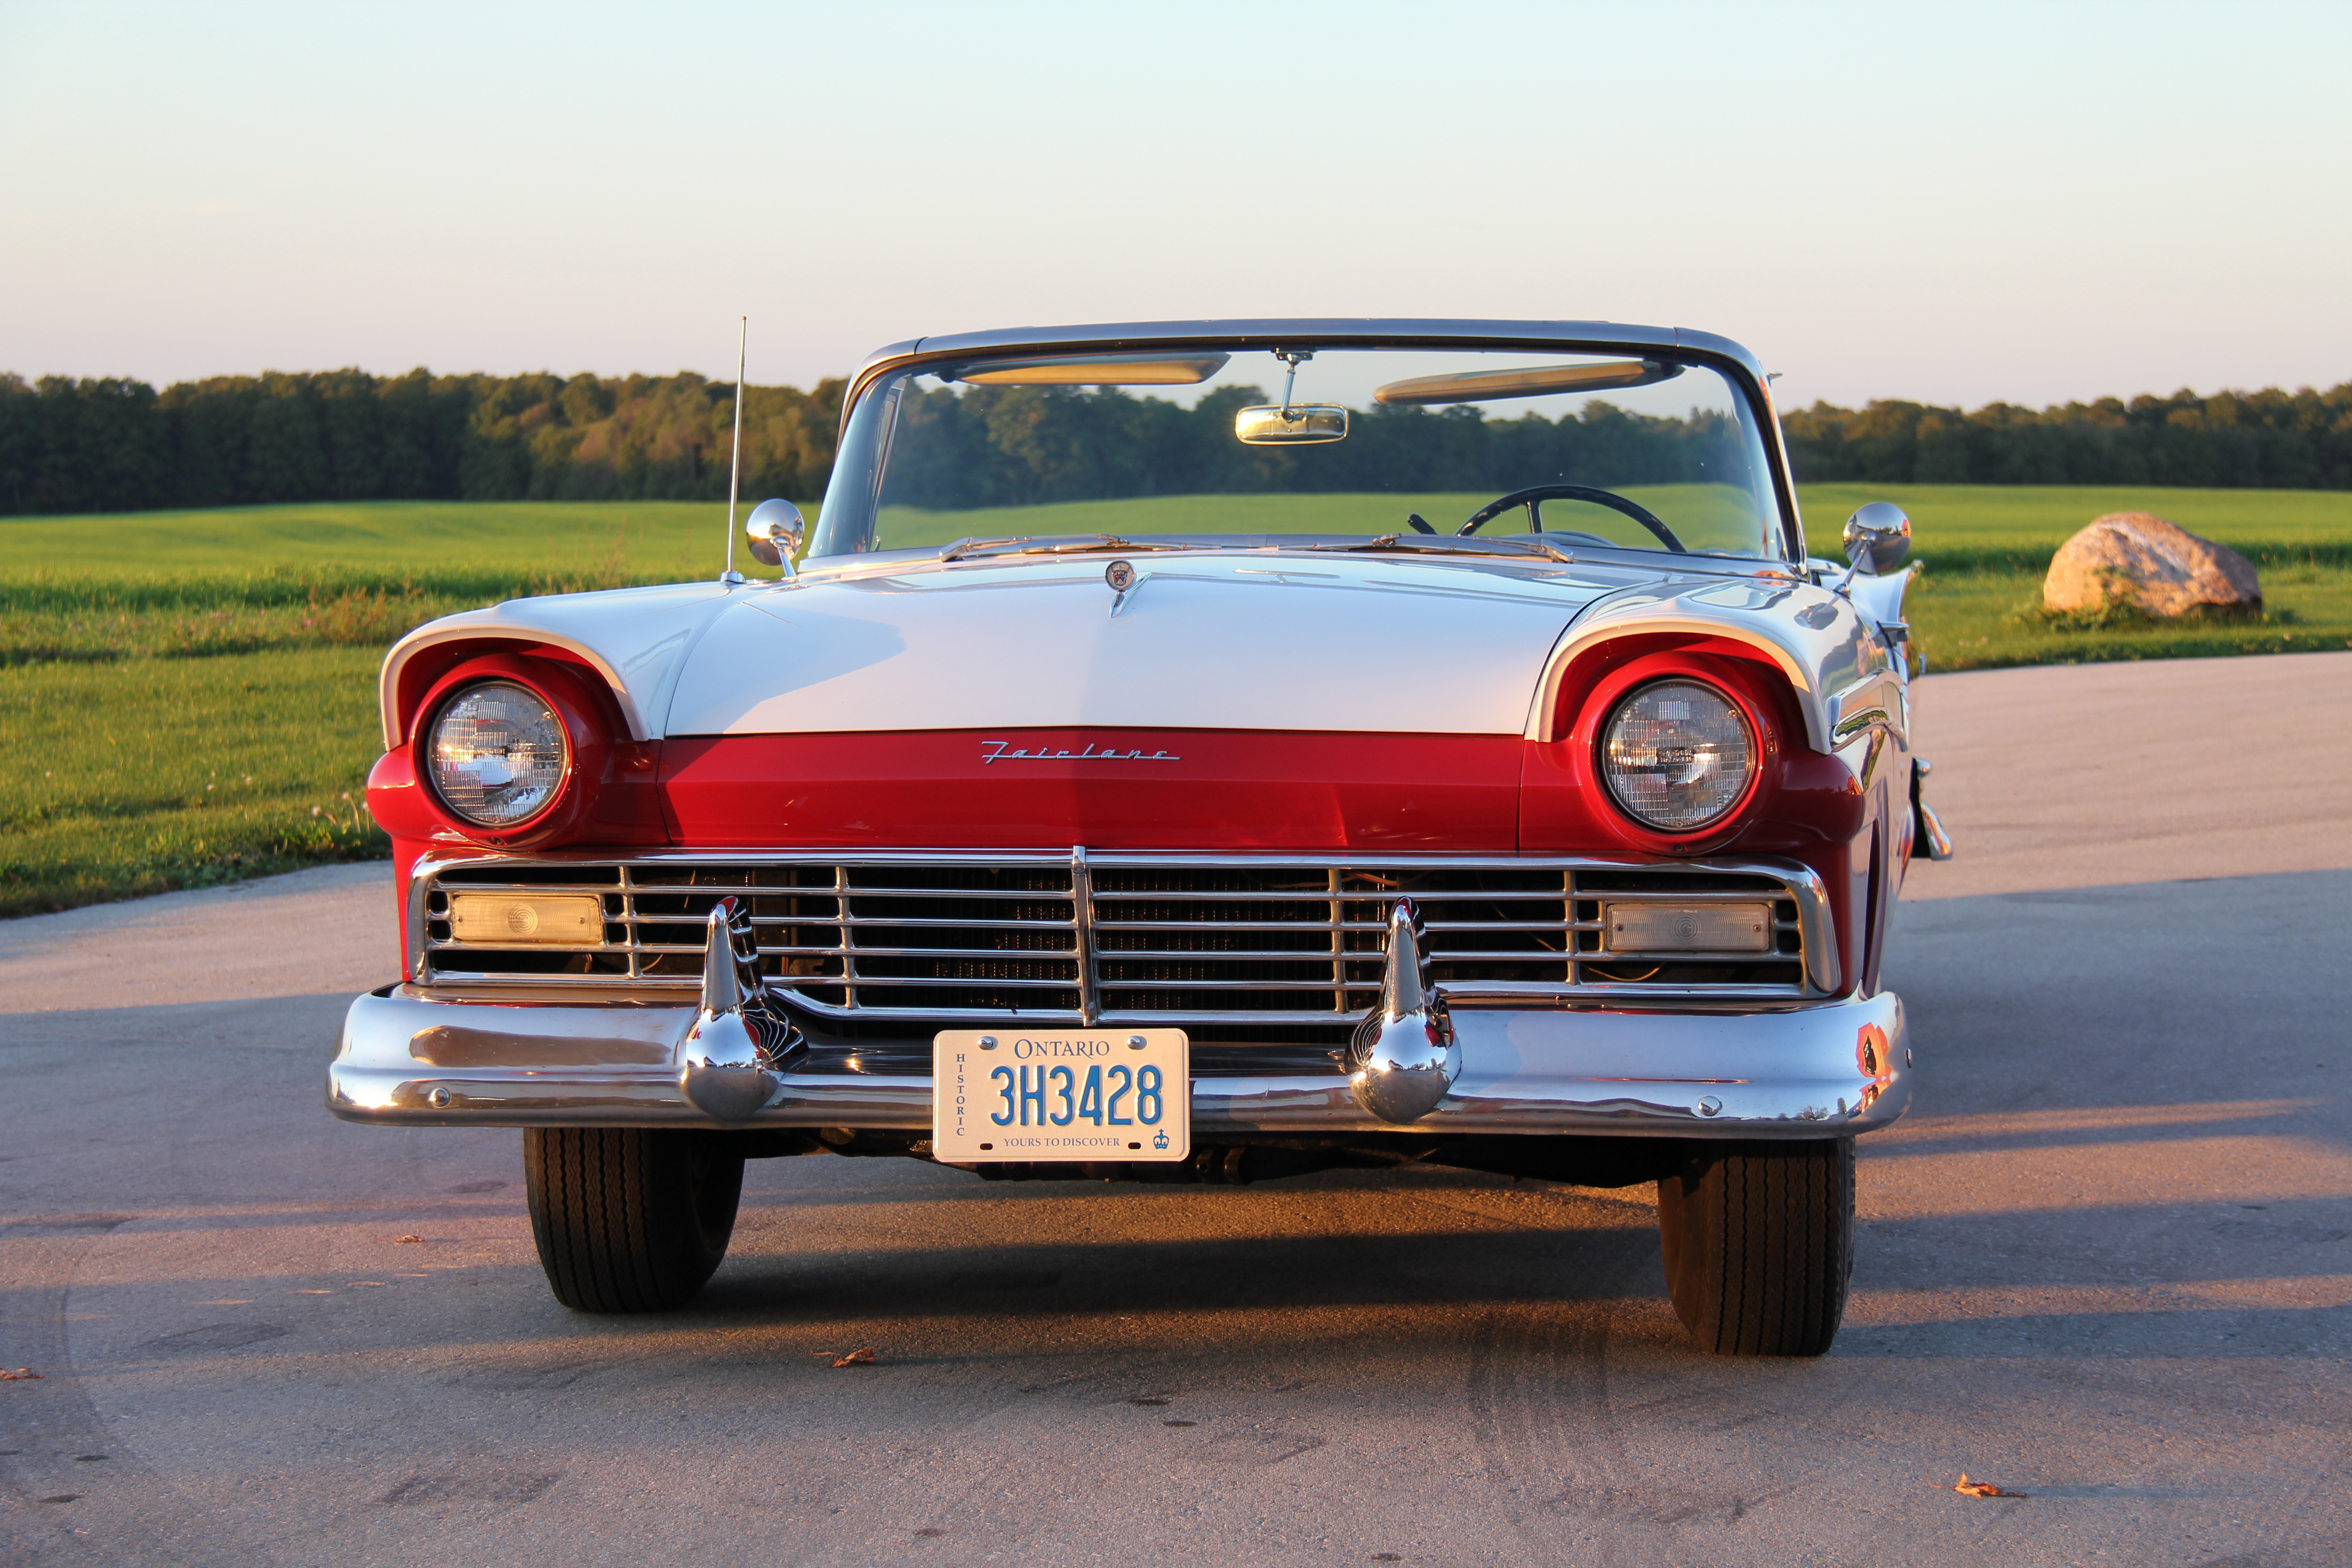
(1534,496)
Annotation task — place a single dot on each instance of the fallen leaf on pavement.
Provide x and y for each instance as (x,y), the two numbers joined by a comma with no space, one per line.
(22,1374)
(1967,1487)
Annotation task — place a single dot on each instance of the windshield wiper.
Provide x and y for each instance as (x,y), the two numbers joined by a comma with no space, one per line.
(1457,544)
(1046,544)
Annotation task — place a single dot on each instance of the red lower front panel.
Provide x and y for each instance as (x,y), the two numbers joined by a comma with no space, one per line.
(1107,789)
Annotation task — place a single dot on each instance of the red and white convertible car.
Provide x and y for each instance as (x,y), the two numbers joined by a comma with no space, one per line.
(1197,752)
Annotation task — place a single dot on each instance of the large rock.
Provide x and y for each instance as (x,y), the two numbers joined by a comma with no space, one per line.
(2139,558)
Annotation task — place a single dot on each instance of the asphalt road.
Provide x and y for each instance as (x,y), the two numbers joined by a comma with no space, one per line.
(2104,1263)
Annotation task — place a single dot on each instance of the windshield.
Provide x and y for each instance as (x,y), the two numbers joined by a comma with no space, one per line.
(1209,445)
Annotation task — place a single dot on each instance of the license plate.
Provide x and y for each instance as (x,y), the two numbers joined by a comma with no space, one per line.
(1060,1094)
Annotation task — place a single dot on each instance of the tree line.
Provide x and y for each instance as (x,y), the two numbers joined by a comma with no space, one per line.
(1020,445)
(109,444)
(2269,439)
(114,445)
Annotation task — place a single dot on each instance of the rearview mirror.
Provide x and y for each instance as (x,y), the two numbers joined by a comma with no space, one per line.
(775,529)
(1269,425)
(1878,538)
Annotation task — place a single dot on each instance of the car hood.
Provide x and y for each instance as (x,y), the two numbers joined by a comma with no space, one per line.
(1200,641)
(1225,640)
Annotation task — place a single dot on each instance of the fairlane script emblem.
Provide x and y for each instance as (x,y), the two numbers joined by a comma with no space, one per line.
(1005,751)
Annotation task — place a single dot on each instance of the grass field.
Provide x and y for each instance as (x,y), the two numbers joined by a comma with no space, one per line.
(155,773)
(188,697)
(1693,510)
(1976,604)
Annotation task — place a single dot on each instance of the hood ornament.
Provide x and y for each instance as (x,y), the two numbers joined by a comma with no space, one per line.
(1122,576)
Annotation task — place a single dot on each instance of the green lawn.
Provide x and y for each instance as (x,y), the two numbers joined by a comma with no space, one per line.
(1691,510)
(1984,620)
(2017,527)
(1976,604)
(384,540)
(153,773)
(188,697)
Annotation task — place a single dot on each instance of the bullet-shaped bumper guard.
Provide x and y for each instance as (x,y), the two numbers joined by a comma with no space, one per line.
(1809,1071)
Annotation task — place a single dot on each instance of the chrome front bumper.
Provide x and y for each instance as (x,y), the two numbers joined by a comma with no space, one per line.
(1808,1070)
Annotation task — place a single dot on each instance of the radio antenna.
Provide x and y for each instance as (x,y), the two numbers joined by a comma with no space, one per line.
(735,463)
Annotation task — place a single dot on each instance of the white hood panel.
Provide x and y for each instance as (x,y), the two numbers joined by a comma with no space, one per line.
(1201,642)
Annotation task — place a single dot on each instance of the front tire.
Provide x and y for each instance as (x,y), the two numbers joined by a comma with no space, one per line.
(628,1219)
(1758,1241)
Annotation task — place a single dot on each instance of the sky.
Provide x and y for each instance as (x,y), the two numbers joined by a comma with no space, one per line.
(1955,204)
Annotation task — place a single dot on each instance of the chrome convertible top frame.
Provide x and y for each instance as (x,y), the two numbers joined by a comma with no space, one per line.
(1339,331)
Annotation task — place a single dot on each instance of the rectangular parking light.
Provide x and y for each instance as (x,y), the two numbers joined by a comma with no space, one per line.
(572,920)
(1657,927)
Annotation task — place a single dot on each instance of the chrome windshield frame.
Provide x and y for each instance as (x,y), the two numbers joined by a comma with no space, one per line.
(1741,367)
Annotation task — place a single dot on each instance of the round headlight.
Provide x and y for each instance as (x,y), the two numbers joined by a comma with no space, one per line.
(497,754)
(1677,755)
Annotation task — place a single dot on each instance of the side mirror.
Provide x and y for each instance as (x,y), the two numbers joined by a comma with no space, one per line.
(776,529)
(1878,538)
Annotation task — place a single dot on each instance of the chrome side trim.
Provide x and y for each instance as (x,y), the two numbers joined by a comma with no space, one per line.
(1875,702)
(1819,1071)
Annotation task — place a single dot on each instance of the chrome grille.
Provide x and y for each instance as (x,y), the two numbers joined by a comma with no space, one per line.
(1129,938)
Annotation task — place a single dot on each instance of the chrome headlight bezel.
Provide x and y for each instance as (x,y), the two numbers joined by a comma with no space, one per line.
(1726,780)
(543,776)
